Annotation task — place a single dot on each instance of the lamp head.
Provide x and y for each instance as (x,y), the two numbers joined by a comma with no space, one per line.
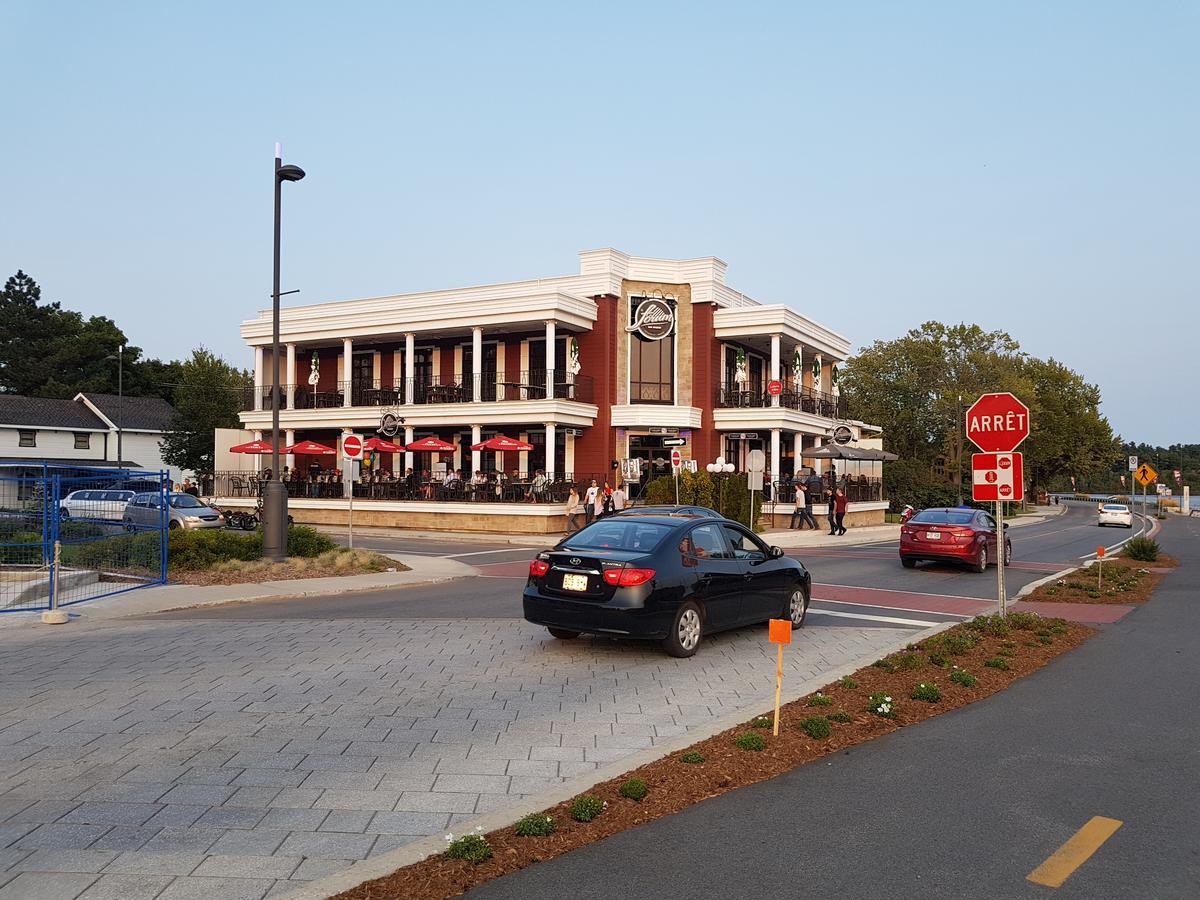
(289,173)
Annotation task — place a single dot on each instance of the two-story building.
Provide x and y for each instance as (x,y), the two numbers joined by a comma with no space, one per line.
(629,358)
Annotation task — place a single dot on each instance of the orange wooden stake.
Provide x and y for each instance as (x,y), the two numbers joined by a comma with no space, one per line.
(779,632)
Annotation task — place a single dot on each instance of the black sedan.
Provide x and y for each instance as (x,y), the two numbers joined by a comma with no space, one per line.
(702,511)
(664,578)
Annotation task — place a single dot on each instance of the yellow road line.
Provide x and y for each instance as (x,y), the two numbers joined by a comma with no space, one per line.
(1075,852)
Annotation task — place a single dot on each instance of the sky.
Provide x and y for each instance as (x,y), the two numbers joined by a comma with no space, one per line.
(1026,166)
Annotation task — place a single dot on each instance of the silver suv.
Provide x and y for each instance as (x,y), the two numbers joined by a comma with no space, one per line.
(183,511)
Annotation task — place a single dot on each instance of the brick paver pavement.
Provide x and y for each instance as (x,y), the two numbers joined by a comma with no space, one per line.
(206,758)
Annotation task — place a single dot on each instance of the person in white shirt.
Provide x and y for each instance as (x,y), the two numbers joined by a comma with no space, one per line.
(618,498)
(589,502)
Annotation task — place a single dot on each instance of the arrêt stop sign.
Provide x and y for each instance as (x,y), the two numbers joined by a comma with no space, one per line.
(998,423)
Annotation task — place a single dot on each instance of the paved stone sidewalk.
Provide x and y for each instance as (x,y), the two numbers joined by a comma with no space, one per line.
(205,758)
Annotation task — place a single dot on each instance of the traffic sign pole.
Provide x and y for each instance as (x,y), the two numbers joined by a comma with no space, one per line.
(1002,541)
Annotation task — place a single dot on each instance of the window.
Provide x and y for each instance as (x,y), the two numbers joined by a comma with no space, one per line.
(651,362)
(611,535)
(745,545)
(944,517)
(83,440)
(26,438)
(707,543)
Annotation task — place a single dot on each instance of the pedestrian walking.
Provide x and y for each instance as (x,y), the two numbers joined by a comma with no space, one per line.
(798,512)
(808,512)
(618,498)
(840,502)
(606,500)
(572,511)
(597,506)
(832,511)
(589,502)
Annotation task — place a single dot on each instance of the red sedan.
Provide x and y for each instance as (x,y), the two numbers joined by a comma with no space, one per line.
(952,535)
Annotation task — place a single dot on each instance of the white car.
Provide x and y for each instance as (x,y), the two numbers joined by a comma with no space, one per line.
(1115,514)
(108,505)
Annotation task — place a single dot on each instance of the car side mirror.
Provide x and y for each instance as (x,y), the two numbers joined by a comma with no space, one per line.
(776,552)
(1006,526)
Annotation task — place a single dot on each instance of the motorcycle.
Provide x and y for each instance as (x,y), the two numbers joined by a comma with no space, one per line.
(907,513)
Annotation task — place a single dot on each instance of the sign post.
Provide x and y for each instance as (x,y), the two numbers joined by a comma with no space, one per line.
(1145,475)
(779,632)
(676,465)
(756,460)
(352,452)
(1100,568)
(997,424)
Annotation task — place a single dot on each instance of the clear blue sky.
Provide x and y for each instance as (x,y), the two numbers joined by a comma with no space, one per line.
(1028,166)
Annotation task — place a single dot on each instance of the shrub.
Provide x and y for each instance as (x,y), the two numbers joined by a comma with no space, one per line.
(840,716)
(751,740)
(585,807)
(634,789)
(23,548)
(130,551)
(847,682)
(1143,549)
(886,664)
(997,662)
(816,727)
(692,757)
(1006,651)
(1045,639)
(819,699)
(995,624)
(1025,621)
(762,722)
(939,659)
(474,847)
(536,825)
(907,662)
(966,679)
(881,705)
(927,692)
(305,541)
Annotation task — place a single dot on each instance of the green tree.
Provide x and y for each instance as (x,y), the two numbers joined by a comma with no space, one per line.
(208,397)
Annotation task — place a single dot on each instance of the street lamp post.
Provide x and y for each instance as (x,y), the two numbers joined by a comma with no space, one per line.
(274,490)
(120,358)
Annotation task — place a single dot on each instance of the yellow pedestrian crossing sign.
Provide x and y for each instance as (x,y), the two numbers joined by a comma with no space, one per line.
(1145,474)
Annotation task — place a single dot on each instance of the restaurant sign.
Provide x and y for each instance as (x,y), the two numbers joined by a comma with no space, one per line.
(389,424)
(653,320)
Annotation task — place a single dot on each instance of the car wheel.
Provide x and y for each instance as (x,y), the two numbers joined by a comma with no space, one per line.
(64,513)
(797,607)
(172,525)
(684,636)
(562,634)
(981,563)
(1008,554)
(908,563)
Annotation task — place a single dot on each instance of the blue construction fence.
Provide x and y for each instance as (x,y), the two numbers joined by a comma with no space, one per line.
(67,538)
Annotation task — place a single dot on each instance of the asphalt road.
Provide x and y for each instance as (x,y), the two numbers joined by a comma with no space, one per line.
(964,805)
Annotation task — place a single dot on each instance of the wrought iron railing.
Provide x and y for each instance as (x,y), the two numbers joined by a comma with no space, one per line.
(735,396)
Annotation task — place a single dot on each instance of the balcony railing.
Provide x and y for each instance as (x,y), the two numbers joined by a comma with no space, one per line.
(734,396)
(858,489)
(526,385)
(526,487)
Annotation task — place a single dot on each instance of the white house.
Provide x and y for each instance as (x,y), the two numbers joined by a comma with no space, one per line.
(89,431)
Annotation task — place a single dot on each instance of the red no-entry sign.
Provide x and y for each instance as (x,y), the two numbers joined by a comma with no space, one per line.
(352,447)
(997,423)
(775,388)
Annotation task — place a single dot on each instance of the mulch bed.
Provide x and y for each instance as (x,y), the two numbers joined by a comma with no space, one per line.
(675,785)
(279,572)
(1125,581)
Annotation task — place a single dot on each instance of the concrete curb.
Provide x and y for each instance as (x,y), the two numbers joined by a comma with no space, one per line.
(386,863)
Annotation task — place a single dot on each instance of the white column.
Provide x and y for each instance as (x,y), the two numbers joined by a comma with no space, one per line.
(347,361)
(549,359)
(408,457)
(410,370)
(289,438)
(818,464)
(797,452)
(476,367)
(549,448)
(775,366)
(476,437)
(290,375)
(773,462)
(258,378)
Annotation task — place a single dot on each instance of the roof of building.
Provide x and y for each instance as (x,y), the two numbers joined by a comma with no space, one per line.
(126,413)
(46,413)
(134,413)
(67,463)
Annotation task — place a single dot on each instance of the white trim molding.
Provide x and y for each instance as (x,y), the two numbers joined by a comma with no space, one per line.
(643,415)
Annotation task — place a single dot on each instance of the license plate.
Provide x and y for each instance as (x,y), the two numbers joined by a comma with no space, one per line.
(575,583)
(933,535)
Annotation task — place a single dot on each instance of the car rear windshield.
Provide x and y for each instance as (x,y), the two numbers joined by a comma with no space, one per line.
(611,534)
(944,517)
(185,501)
(1116,507)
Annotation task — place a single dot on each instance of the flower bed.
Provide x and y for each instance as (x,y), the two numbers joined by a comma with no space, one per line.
(949,666)
(1125,581)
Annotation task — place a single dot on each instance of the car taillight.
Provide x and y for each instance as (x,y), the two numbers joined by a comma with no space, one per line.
(628,577)
(538,568)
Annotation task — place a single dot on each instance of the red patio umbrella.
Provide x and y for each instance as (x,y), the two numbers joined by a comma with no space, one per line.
(500,442)
(258,447)
(310,448)
(431,445)
(382,446)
